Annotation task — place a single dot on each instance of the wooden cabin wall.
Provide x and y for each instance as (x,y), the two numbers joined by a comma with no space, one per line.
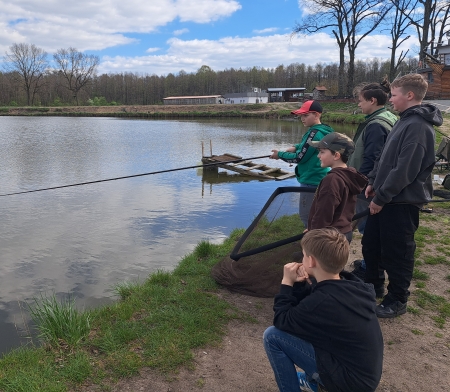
(434,88)
(445,84)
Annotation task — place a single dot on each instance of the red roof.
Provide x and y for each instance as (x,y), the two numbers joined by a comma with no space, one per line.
(320,88)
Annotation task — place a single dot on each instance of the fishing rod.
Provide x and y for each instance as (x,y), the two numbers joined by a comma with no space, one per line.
(134,175)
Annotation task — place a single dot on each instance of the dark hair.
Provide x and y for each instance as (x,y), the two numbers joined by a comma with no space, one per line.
(379,91)
(344,158)
(328,246)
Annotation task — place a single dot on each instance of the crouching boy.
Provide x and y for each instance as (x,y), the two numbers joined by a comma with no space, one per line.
(329,330)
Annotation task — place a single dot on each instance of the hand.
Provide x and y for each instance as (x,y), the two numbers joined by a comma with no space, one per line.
(274,154)
(290,275)
(369,191)
(302,274)
(374,208)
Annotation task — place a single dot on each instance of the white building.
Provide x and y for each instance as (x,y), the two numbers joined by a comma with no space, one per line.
(253,96)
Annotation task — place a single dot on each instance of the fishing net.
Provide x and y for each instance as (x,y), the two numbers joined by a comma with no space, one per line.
(255,265)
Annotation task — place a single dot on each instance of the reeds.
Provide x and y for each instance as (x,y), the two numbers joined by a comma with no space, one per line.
(59,322)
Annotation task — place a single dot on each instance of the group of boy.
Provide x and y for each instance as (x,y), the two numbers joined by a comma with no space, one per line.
(325,318)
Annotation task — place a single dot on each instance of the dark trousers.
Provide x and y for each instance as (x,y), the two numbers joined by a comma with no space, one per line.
(388,245)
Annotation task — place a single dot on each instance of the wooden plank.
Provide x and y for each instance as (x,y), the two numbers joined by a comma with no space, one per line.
(240,163)
(233,156)
(272,170)
(285,176)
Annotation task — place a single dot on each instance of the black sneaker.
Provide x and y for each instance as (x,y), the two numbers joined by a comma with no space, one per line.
(358,270)
(390,311)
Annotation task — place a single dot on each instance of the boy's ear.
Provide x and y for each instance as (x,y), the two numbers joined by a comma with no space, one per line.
(312,261)
(410,96)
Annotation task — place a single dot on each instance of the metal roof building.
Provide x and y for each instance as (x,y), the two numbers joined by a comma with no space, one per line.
(194,100)
(286,94)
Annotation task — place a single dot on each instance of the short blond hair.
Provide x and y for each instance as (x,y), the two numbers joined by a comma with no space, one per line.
(414,83)
(328,246)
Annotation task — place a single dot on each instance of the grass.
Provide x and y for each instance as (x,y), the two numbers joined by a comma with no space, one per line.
(59,322)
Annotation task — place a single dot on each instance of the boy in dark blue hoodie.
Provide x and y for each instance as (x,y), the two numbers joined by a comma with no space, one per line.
(329,329)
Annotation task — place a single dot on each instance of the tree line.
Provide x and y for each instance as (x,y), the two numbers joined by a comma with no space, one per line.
(136,89)
(27,78)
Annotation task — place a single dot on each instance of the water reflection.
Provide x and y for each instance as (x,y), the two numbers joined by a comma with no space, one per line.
(84,240)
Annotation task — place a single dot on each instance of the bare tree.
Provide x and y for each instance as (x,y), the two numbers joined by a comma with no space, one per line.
(441,23)
(77,68)
(399,25)
(428,17)
(28,63)
(350,22)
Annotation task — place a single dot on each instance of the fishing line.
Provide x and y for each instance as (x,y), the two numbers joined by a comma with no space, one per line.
(134,175)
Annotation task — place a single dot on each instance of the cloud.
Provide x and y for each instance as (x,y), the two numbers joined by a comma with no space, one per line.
(236,52)
(97,25)
(151,50)
(181,32)
(264,31)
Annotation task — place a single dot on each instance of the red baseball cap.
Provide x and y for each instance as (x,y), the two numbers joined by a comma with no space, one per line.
(308,107)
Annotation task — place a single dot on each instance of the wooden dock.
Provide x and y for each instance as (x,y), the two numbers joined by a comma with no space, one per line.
(247,167)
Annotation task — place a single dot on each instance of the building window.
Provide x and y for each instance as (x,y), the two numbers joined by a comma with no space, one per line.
(447,59)
(430,77)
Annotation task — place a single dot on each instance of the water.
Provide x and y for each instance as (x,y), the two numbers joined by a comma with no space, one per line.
(81,241)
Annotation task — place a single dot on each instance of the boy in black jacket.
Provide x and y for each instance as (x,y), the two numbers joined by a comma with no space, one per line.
(328,329)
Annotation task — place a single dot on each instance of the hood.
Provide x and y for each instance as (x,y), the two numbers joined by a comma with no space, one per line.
(429,112)
(323,128)
(352,293)
(355,181)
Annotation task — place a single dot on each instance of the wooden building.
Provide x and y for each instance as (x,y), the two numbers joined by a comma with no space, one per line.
(436,70)
(282,94)
(319,92)
(194,100)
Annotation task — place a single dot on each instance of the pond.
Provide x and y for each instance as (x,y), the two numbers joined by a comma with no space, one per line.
(81,241)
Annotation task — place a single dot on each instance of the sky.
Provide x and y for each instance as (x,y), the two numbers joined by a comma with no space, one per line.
(167,36)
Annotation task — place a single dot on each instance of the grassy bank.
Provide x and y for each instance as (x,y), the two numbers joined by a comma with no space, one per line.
(333,111)
(155,323)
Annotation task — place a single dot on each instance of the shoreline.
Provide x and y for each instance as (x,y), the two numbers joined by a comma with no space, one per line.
(339,112)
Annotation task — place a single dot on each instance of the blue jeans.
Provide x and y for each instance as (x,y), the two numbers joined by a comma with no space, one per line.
(284,351)
(306,199)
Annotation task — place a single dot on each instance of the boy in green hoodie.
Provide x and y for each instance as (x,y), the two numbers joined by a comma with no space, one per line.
(309,172)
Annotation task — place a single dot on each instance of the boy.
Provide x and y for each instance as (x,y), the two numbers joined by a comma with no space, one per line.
(335,198)
(329,330)
(309,172)
(369,141)
(400,184)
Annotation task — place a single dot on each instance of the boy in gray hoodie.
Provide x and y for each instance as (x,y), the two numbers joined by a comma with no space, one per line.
(400,184)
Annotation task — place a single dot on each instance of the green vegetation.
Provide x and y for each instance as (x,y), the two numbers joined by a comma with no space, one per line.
(60,322)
